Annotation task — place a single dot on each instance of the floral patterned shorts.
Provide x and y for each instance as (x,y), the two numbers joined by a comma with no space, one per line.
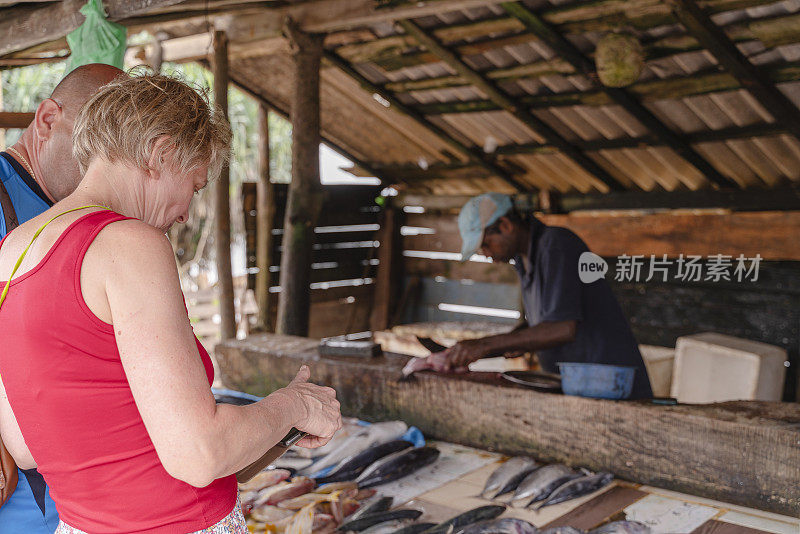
(233,523)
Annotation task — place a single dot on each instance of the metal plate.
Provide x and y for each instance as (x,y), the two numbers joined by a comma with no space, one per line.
(534,380)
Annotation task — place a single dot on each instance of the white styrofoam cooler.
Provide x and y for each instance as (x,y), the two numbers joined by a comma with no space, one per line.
(711,367)
(659,362)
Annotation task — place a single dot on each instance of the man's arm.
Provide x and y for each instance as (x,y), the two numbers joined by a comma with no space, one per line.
(542,336)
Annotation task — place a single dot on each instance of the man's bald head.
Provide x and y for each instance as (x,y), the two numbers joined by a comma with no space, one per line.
(81,84)
(47,142)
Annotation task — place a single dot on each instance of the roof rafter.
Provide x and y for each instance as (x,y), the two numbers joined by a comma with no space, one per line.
(499,97)
(474,154)
(582,64)
(732,60)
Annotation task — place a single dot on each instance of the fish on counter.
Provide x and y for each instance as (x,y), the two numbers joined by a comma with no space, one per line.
(508,476)
(505,525)
(622,527)
(376,504)
(539,484)
(302,522)
(267,513)
(265,479)
(354,444)
(435,362)
(350,427)
(338,486)
(415,528)
(296,503)
(457,523)
(388,527)
(368,520)
(575,488)
(396,466)
(285,490)
(352,466)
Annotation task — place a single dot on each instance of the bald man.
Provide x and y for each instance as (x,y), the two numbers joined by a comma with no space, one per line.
(36,172)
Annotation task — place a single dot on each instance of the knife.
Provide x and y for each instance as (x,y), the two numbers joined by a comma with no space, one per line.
(430,344)
(270,456)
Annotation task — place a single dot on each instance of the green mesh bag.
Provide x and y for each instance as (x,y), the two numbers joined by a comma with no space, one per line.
(97,40)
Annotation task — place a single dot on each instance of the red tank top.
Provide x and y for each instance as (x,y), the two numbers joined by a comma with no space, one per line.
(66,385)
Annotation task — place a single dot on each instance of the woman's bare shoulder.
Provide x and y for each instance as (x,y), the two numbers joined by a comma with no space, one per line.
(130,244)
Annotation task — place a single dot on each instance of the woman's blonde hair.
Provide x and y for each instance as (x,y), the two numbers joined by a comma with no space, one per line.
(125,118)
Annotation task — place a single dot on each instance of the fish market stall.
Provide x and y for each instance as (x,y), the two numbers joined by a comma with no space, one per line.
(410,486)
(745,454)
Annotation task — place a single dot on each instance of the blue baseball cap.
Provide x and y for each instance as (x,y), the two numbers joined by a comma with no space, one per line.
(478,213)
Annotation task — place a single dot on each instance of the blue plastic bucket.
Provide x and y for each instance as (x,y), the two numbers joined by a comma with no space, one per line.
(597,380)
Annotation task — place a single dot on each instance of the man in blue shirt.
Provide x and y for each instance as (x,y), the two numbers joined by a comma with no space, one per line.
(568,320)
(36,172)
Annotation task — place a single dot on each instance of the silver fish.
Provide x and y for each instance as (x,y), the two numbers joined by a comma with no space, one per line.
(388,527)
(577,488)
(562,530)
(506,477)
(505,525)
(371,435)
(539,484)
(622,527)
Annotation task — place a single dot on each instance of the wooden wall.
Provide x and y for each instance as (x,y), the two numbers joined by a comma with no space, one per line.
(343,251)
(767,310)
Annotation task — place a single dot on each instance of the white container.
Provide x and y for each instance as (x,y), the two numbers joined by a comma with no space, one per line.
(711,367)
(659,362)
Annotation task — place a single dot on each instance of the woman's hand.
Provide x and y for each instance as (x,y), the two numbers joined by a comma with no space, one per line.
(317,409)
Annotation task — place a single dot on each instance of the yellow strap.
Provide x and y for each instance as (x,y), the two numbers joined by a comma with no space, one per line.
(25,252)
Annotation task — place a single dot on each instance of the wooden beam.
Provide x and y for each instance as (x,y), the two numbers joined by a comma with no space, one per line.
(10,119)
(770,234)
(499,97)
(785,198)
(305,191)
(704,82)
(222,201)
(265,215)
(389,278)
(732,60)
(474,154)
(575,57)
(716,450)
(26,27)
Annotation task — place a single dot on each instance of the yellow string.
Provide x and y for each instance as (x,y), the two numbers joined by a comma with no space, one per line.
(25,252)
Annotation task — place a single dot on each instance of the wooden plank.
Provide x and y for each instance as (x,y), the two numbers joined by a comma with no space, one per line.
(491,273)
(740,452)
(222,201)
(721,527)
(389,275)
(26,27)
(10,119)
(594,512)
(503,100)
(773,235)
(265,219)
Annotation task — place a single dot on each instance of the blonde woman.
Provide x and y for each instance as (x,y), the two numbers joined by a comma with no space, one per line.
(103,386)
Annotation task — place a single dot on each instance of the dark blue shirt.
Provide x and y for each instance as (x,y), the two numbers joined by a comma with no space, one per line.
(553,291)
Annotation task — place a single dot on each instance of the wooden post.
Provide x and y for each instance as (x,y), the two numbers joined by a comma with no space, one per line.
(265,215)
(222,204)
(387,282)
(305,192)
